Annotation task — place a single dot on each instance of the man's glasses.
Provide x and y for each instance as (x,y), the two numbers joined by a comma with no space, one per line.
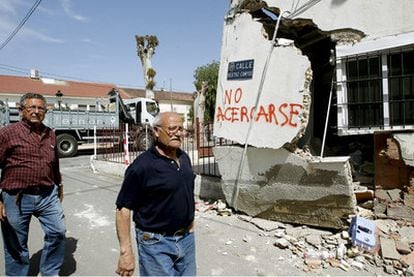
(35,108)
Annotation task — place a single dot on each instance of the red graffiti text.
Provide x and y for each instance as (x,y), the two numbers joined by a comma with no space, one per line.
(285,114)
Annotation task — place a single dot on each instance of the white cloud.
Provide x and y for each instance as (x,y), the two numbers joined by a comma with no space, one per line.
(6,26)
(41,36)
(67,7)
(8,6)
(9,21)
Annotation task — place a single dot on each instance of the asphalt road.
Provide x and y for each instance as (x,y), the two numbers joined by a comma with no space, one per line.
(225,245)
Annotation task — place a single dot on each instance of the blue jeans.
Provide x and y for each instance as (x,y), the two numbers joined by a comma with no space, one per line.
(161,255)
(48,209)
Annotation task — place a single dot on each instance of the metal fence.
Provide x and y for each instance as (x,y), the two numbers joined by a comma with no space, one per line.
(197,143)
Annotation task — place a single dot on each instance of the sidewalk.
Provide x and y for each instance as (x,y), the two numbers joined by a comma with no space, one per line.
(226,245)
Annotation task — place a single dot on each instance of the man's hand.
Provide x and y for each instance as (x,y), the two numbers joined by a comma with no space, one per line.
(126,264)
(60,192)
(2,212)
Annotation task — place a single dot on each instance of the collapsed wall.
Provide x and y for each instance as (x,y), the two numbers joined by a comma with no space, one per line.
(274,89)
(265,101)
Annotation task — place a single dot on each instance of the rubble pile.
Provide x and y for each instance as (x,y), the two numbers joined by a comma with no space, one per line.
(395,204)
(391,247)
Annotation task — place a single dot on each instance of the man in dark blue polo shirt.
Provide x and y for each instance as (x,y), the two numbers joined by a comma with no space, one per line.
(159,189)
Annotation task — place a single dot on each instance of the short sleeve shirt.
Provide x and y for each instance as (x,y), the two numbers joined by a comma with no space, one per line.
(159,192)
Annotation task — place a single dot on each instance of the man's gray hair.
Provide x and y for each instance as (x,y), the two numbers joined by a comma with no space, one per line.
(31,95)
(159,118)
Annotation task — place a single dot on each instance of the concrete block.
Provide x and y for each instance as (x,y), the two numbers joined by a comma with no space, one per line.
(282,186)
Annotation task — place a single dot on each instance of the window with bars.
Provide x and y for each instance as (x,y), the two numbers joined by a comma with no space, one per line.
(401,88)
(376,91)
(364,92)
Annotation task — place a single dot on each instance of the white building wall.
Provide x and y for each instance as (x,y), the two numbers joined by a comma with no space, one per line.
(182,109)
(376,18)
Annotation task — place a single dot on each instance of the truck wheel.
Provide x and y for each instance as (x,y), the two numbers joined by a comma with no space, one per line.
(144,141)
(67,145)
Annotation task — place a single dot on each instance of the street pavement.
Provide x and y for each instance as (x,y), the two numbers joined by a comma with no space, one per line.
(226,245)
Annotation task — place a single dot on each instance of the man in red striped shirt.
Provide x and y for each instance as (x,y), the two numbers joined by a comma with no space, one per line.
(31,186)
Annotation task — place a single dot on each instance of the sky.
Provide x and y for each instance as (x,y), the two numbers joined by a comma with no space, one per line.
(94,40)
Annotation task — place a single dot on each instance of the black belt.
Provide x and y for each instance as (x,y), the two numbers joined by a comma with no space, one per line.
(34,190)
(179,232)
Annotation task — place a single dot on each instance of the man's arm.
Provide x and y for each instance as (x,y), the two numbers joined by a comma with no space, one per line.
(2,209)
(3,149)
(126,262)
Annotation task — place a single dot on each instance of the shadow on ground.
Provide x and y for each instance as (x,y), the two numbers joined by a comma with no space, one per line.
(69,264)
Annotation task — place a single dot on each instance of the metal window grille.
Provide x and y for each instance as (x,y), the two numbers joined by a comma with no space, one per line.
(364,89)
(376,91)
(401,88)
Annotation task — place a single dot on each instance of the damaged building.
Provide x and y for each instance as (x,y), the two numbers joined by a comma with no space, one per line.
(318,96)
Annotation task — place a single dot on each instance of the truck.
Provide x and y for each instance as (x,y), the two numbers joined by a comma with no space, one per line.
(77,127)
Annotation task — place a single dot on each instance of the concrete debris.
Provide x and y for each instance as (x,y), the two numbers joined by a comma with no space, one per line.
(395,204)
(266,225)
(403,247)
(345,235)
(357,265)
(219,206)
(341,251)
(400,212)
(247,238)
(408,260)
(388,249)
(314,240)
(281,243)
(407,233)
(393,252)
(250,258)
(409,200)
(262,224)
(409,271)
(395,195)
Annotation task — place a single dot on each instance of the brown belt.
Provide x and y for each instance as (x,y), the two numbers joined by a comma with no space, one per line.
(182,231)
(179,232)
